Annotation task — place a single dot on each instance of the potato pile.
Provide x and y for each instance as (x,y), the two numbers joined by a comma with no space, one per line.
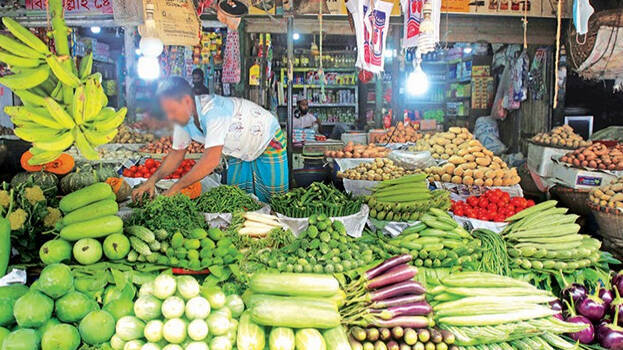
(163,145)
(401,133)
(444,145)
(561,136)
(596,156)
(359,151)
(379,170)
(469,163)
(609,196)
(127,135)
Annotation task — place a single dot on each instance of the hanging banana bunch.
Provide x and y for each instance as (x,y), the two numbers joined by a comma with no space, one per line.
(63,105)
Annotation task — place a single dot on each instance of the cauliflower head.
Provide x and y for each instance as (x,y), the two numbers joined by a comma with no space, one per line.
(53,216)
(34,194)
(5,199)
(17,219)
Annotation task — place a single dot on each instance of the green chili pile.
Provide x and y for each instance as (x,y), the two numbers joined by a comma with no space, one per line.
(317,198)
(225,199)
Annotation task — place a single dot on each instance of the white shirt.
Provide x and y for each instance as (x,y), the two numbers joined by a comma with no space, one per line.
(243,128)
(304,122)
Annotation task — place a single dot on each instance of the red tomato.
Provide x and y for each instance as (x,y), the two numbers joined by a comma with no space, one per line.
(157,163)
(459,212)
(470,213)
(150,163)
(175,176)
(127,173)
(472,200)
(492,206)
(529,203)
(483,202)
(133,168)
(499,218)
(187,168)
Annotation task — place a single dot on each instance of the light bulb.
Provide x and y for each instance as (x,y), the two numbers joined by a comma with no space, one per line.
(150,46)
(296,36)
(417,82)
(148,68)
(96,30)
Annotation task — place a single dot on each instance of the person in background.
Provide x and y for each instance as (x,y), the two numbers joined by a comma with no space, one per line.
(246,133)
(303,119)
(198,87)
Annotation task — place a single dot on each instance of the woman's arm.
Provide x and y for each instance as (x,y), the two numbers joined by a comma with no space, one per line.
(204,167)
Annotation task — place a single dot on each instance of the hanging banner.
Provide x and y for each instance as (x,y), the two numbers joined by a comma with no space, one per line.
(455,5)
(82,7)
(176,21)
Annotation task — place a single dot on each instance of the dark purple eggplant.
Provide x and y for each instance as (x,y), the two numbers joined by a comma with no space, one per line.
(387,264)
(397,274)
(397,301)
(575,292)
(617,282)
(585,336)
(394,290)
(556,305)
(611,334)
(607,296)
(592,307)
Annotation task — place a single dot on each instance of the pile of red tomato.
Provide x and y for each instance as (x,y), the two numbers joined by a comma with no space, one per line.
(494,205)
(150,166)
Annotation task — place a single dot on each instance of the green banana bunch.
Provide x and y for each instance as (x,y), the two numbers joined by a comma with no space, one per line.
(63,104)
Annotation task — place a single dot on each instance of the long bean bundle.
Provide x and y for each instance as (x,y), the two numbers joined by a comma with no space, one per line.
(495,258)
(317,198)
(484,308)
(226,199)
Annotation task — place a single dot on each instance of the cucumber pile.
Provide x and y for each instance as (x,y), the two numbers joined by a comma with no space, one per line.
(405,199)
(544,237)
(324,247)
(436,241)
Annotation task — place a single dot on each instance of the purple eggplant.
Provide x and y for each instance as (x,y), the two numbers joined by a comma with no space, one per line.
(556,305)
(592,307)
(585,336)
(403,321)
(387,264)
(575,292)
(421,308)
(607,296)
(397,301)
(559,316)
(617,282)
(611,334)
(397,274)
(394,290)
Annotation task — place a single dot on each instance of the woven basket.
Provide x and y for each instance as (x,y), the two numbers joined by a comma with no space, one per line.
(578,53)
(610,223)
(573,199)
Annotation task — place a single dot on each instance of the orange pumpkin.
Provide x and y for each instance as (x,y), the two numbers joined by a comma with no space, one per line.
(193,191)
(121,188)
(60,166)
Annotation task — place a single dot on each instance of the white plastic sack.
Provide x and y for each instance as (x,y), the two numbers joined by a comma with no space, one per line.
(354,224)
(349,163)
(223,220)
(486,131)
(390,228)
(412,160)
(476,224)
(13,277)
(359,187)
(460,192)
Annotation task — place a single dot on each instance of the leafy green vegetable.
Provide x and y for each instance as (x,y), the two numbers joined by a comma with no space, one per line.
(173,213)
